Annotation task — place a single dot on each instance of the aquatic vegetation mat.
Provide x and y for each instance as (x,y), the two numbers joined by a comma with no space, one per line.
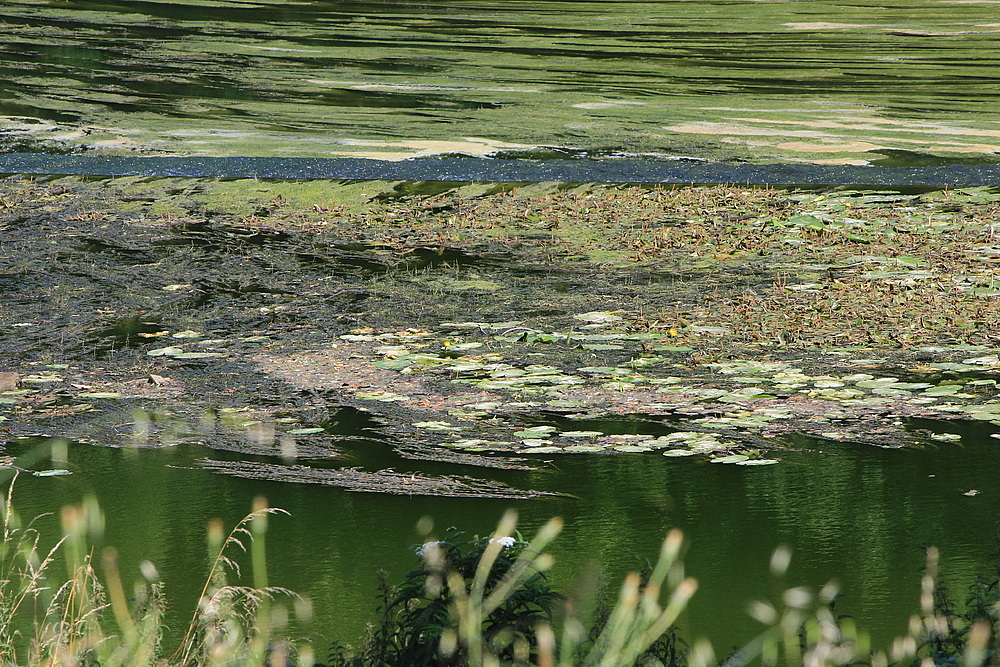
(493,327)
(900,83)
(381,481)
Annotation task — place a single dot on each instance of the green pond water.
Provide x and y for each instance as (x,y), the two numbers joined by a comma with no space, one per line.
(859,82)
(858,515)
(843,82)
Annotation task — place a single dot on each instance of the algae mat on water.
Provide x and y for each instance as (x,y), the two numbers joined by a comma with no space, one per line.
(490,327)
(807,81)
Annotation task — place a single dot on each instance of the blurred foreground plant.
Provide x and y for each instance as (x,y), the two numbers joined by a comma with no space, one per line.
(46,619)
(485,602)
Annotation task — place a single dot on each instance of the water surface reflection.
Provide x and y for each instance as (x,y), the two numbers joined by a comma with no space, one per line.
(855,514)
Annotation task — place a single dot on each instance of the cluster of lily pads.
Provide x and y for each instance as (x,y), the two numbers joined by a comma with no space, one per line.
(860,388)
(208,345)
(550,440)
(491,363)
(50,390)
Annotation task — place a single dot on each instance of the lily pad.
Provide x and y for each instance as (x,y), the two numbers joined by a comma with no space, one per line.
(631,448)
(582,449)
(598,317)
(436,426)
(990,360)
(394,364)
(535,432)
(604,370)
(40,379)
(943,390)
(165,351)
(732,458)
(564,403)
(385,396)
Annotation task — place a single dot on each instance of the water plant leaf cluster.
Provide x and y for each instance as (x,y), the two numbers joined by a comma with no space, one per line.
(731,397)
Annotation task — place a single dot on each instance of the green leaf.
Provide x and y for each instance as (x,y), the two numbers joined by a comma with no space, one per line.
(598,317)
(165,351)
(732,458)
(581,449)
(810,222)
(631,448)
(394,364)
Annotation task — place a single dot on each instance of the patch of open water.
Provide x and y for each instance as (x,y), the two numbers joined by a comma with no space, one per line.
(432,174)
(855,514)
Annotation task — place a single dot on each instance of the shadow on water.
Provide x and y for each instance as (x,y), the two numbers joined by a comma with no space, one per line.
(618,425)
(126,332)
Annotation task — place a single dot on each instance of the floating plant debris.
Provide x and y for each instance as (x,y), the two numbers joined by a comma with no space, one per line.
(708,322)
(420,452)
(382,481)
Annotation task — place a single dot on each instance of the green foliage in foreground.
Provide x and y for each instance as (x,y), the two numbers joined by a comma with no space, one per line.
(49,618)
(486,602)
(481,602)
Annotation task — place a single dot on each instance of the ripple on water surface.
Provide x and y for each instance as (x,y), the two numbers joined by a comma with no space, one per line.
(758,81)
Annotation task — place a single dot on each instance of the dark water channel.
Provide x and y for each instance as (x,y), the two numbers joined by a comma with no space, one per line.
(911,82)
(855,514)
